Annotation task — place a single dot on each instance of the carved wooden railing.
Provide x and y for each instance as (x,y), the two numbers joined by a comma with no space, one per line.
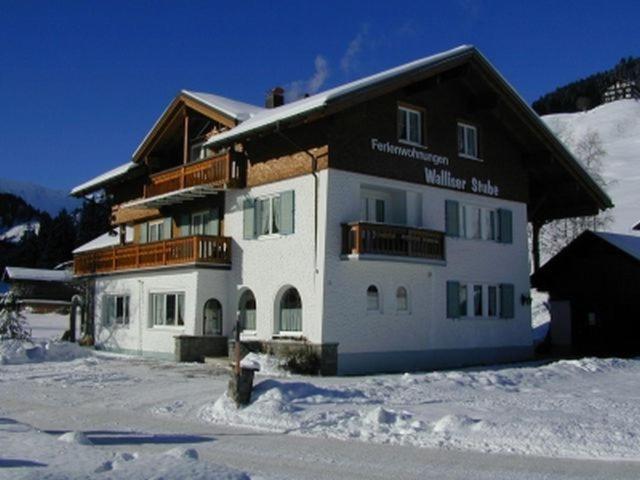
(219,171)
(177,251)
(378,239)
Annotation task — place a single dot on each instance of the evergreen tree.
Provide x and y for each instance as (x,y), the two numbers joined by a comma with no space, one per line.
(12,322)
(94,220)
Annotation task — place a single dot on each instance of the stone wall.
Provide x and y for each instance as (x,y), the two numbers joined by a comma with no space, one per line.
(191,348)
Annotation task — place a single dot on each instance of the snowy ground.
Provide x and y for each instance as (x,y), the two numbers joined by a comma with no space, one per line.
(108,416)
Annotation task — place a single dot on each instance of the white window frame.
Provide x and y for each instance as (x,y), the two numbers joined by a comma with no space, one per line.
(165,295)
(158,226)
(202,214)
(368,206)
(378,309)
(470,313)
(407,310)
(407,112)
(269,200)
(120,322)
(465,133)
(487,226)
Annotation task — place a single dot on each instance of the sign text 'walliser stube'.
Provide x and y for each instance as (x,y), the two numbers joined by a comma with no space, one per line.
(441,178)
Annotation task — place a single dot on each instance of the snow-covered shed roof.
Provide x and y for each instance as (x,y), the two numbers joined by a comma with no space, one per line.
(107,239)
(627,243)
(97,182)
(36,274)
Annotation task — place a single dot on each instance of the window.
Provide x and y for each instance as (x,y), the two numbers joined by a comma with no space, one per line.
(477,301)
(410,125)
(272,215)
(402,300)
(375,206)
(212,321)
(198,222)
(199,151)
(373,299)
(156,231)
(483,303)
(116,310)
(247,309)
(167,309)
(467,141)
(290,311)
(479,223)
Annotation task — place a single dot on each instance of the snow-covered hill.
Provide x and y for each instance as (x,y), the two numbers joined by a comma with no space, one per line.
(15,233)
(618,126)
(43,198)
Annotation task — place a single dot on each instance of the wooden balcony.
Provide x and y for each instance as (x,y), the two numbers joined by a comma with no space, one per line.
(219,171)
(361,238)
(178,251)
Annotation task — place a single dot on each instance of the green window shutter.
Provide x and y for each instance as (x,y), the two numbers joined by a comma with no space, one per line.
(144,232)
(249,219)
(287,212)
(452,218)
(212,225)
(453,299)
(167,228)
(507,300)
(185,223)
(505,226)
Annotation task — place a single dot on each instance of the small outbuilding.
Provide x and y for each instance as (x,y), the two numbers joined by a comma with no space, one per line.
(593,286)
(40,288)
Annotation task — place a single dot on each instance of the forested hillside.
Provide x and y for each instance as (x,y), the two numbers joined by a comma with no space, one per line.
(587,93)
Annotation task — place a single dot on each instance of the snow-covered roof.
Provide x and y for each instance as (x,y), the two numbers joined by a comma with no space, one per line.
(627,243)
(104,178)
(36,274)
(107,239)
(306,105)
(237,110)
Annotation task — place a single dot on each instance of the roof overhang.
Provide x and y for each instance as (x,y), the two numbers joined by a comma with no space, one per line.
(173,198)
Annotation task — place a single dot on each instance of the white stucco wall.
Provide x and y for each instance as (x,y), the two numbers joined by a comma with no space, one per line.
(197,284)
(267,265)
(426,327)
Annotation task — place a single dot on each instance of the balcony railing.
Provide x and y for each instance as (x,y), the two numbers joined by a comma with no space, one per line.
(179,251)
(217,171)
(376,239)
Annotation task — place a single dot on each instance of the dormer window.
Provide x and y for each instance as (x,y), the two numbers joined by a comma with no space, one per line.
(199,151)
(410,125)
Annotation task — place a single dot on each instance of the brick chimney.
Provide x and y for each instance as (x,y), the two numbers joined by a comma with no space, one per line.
(275,98)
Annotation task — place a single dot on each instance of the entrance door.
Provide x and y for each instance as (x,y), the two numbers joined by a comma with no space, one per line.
(212,321)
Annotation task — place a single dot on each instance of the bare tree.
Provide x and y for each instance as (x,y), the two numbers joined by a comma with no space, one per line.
(555,235)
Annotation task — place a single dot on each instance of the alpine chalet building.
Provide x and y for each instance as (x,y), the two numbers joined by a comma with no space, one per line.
(382,223)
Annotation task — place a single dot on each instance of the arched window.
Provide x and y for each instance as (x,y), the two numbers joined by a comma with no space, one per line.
(212,321)
(290,311)
(373,299)
(247,309)
(402,300)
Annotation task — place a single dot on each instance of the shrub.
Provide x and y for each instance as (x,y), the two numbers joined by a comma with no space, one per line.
(12,322)
(300,359)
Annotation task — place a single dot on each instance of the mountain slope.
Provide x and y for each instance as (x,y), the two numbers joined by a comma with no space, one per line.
(46,199)
(618,126)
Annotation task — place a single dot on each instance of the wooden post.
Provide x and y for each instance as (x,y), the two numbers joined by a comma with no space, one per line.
(185,151)
(237,345)
(535,245)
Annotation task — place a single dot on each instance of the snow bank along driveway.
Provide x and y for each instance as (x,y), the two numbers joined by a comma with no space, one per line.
(587,408)
(79,414)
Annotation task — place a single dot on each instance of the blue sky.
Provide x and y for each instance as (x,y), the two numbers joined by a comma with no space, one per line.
(82,82)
